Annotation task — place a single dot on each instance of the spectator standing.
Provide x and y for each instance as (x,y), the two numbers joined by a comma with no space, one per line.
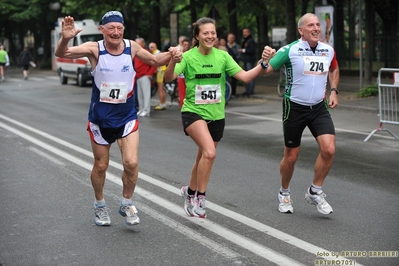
(25,60)
(248,57)
(4,61)
(181,84)
(232,49)
(159,79)
(144,75)
(221,44)
(181,39)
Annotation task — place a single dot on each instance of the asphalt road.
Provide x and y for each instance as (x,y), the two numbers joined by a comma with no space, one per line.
(46,215)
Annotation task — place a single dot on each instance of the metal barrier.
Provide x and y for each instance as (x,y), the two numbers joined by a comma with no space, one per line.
(388,102)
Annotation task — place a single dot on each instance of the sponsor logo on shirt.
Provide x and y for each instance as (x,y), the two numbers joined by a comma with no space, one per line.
(208,76)
(125,68)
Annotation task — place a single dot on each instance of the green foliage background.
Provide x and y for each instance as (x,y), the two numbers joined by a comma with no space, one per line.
(29,22)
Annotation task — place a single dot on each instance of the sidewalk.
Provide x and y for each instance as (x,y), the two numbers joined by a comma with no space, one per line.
(265,88)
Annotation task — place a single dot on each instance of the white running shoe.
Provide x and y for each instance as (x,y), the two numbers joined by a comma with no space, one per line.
(144,113)
(319,200)
(188,201)
(285,203)
(102,217)
(129,211)
(200,207)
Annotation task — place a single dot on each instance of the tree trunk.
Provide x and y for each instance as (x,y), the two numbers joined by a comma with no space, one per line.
(370,29)
(304,7)
(155,35)
(193,11)
(262,32)
(232,11)
(397,34)
(339,44)
(388,11)
(290,21)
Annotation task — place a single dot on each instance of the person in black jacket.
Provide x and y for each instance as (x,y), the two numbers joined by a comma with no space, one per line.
(247,56)
(232,49)
(25,59)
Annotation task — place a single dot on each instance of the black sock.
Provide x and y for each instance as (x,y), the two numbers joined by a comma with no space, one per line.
(314,189)
(200,193)
(190,192)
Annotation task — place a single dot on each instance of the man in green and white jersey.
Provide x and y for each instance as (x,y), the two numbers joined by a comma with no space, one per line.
(308,63)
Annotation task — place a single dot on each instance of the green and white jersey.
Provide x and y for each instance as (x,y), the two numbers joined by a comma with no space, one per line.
(205,77)
(306,70)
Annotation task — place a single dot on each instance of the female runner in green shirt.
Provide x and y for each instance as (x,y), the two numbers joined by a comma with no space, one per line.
(204,68)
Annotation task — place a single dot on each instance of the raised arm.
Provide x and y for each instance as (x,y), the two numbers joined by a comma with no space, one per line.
(68,33)
(170,71)
(160,59)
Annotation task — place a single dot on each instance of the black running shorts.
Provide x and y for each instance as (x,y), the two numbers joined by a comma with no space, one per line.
(215,127)
(296,117)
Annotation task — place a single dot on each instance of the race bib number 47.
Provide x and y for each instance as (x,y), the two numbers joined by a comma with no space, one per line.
(208,94)
(114,92)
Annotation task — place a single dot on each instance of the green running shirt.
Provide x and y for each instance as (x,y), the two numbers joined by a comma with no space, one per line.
(205,77)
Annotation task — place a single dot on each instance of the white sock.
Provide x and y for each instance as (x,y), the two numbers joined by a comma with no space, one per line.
(126,201)
(99,203)
(282,190)
(315,188)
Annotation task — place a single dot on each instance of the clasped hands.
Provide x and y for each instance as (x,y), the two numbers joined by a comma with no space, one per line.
(268,53)
(176,54)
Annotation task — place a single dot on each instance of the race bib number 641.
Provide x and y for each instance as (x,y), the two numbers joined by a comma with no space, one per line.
(208,94)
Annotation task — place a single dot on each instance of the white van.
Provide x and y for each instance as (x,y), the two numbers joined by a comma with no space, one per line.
(76,69)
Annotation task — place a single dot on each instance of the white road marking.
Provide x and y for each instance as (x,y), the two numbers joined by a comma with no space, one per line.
(249,244)
(244,242)
(46,155)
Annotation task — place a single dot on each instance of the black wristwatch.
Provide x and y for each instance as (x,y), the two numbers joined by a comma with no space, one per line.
(263,65)
(335,89)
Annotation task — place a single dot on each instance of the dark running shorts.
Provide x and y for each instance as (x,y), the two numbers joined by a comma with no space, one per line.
(296,117)
(215,127)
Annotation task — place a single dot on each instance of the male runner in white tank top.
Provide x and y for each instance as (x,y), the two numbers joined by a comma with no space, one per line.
(112,113)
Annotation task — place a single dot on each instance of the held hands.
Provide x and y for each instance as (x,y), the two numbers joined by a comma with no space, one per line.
(267,54)
(68,28)
(176,54)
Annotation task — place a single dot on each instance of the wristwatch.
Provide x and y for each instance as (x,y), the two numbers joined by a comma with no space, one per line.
(335,89)
(263,65)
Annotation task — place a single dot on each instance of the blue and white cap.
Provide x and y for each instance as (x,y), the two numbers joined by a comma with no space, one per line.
(112,16)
